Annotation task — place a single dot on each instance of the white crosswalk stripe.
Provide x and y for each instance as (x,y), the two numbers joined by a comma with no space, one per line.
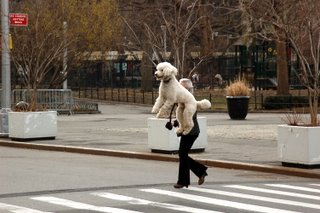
(307,189)
(137,201)
(218,202)
(82,206)
(271,191)
(255,197)
(18,209)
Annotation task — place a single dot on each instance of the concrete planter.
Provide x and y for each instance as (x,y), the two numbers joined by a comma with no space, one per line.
(163,140)
(299,145)
(32,125)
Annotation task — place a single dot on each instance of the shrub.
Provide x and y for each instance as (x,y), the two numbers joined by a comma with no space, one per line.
(238,87)
(286,101)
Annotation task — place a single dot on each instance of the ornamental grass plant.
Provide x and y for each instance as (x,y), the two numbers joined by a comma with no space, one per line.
(238,87)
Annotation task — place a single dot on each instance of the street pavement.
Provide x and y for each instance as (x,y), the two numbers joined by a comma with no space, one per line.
(121,130)
(34,181)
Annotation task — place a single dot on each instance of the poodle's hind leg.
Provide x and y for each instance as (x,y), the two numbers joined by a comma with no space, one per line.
(188,128)
(187,120)
(179,116)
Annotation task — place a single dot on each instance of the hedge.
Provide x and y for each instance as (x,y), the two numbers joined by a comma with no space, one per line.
(288,101)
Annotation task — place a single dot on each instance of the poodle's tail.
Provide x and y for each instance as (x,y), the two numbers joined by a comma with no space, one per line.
(203,104)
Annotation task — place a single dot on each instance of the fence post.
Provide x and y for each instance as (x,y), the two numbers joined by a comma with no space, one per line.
(255,100)
(134,95)
(119,94)
(152,96)
(143,96)
(111,93)
(262,101)
(127,95)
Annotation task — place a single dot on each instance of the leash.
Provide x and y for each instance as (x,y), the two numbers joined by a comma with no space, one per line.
(169,124)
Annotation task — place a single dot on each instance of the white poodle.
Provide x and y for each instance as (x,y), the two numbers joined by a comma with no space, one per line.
(171,92)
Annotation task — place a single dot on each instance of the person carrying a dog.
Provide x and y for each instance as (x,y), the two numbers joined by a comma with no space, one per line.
(186,163)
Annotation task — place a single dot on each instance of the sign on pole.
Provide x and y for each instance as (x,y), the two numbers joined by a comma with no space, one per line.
(18,19)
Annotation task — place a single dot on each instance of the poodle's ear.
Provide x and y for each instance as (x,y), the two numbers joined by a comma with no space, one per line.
(169,70)
(174,70)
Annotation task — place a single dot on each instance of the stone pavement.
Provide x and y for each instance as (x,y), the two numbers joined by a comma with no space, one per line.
(121,130)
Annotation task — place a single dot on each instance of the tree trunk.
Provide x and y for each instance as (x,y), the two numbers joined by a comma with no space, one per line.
(205,30)
(146,71)
(282,68)
(33,99)
(313,106)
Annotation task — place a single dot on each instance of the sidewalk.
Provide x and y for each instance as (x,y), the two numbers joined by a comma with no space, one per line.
(121,130)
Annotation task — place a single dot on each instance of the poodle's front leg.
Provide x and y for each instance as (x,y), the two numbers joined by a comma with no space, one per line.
(165,110)
(157,105)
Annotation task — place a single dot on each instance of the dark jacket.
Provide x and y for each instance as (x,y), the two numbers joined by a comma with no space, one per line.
(195,130)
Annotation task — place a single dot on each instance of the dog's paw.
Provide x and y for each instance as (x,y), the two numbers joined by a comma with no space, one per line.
(179,131)
(155,110)
(160,115)
(186,131)
(163,114)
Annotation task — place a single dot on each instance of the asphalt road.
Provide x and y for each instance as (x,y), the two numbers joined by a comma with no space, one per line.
(34,181)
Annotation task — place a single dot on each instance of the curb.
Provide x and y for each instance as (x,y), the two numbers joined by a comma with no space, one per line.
(163,157)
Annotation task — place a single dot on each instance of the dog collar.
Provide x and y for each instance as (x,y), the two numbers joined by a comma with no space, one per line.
(167,81)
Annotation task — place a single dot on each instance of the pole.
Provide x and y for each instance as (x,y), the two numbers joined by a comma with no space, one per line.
(6,82)
(64,72)
(65,54)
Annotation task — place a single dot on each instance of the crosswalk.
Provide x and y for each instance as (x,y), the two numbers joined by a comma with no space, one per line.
(257,197)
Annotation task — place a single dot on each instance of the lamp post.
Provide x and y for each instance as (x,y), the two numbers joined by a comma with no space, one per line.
(65,54)
(6,82)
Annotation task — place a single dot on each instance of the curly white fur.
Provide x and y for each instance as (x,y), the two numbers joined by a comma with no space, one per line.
(171,92)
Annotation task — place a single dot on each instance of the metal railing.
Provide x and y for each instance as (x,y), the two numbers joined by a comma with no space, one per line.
(49,99)
(258,100)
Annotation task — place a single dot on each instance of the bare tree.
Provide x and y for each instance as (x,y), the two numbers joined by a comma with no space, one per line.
(180,21)
(137,28)
(298,23)
(39,49)
(181,31)
(166,26)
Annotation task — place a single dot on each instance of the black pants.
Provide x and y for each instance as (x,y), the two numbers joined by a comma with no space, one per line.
(186,163)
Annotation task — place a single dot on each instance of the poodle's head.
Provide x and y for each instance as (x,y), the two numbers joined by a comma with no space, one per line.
(165,71)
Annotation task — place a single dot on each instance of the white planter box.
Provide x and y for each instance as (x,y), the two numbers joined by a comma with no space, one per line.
(32,125)
(299,145)
(160,139)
